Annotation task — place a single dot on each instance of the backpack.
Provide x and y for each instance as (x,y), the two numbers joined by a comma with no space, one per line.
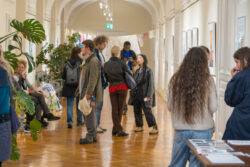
(73,73)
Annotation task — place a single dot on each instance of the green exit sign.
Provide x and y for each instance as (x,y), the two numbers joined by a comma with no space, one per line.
(109,26)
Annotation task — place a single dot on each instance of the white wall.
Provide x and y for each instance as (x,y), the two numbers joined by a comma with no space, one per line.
(7,12)
(198,16)
(130,18)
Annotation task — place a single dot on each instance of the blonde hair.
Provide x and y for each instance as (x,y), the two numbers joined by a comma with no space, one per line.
(23,62)
(5,65)
(115,51)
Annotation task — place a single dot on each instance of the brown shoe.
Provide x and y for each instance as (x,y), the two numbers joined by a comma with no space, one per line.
(138,129)
(154,131)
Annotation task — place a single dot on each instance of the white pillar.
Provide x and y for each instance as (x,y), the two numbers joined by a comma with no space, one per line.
(225,47)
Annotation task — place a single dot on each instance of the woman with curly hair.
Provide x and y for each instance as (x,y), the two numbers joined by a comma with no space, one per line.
(192,100)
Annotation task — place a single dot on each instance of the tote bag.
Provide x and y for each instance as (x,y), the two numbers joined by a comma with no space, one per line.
(130,81)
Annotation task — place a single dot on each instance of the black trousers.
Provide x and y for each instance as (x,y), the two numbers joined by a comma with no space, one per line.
(118,100)
(40,105)
(140,105)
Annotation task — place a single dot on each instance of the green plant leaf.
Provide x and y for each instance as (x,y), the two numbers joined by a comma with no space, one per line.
(15,155)
(30,62)
(31,29)
(19,41)
(11,58)
(23,101)
(35,127)
(11,47)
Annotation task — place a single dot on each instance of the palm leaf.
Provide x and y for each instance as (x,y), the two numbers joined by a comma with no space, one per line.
(31,29)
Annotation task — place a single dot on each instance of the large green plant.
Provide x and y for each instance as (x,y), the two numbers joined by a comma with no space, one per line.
(33,31)
(30,29)
(57,56)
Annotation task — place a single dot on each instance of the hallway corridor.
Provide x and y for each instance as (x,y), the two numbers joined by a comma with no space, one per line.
(57,146)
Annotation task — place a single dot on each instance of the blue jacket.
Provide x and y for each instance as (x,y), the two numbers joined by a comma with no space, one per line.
(104,83)
(6,89)
(237,95)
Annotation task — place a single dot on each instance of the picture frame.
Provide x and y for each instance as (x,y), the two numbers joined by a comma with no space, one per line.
(241,31)
(195,37)
(212,46)
(189,39)
(184,42)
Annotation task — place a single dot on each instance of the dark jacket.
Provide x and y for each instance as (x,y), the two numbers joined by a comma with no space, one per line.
(114,71)
(104,83)
(237,95)
(68,90)
(145,86)
(132,53)
(91,83)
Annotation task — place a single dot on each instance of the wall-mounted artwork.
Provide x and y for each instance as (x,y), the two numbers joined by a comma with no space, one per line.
(189,39)
(211,45)
(184,42)
(195,37)
(241,31)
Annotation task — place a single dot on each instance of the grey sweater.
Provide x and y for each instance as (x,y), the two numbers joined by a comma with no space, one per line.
(179,122)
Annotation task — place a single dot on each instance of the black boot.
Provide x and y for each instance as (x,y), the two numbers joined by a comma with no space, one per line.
(51,117)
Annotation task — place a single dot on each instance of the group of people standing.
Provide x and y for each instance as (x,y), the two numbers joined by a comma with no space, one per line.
(97,73)
(192,97)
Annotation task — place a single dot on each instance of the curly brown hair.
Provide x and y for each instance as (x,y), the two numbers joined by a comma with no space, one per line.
(100,39)
(190,84)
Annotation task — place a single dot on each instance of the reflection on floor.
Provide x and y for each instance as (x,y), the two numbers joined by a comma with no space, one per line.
(58,146)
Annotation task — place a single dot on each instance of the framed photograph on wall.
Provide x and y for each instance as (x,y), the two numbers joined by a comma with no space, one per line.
(189,39)
(195,37)
(241,31)
(184,42)
(211,46)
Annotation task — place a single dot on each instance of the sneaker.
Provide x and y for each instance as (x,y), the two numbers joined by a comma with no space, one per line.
(69,126)
(154,131)
(138,129)
(104,130)
(27,129)
(86,141)
(44,123)
(99,130)
(51,117)
(114,133)
(121,134)
(80,124)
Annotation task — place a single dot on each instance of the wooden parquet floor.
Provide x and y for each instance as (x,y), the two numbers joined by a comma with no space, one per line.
(57,146)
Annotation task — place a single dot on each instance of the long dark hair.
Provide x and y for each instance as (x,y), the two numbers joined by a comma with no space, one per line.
(243,54)
(145,63)
(190,84)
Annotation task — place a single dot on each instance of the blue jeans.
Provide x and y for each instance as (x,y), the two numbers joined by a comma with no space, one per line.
(70,104)
(181,152)
(99,106)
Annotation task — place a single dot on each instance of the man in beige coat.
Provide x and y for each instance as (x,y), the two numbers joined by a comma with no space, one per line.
(90,86)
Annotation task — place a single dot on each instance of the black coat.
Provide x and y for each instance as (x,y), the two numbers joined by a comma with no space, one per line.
(145,86)
(69,91)
(114,71)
